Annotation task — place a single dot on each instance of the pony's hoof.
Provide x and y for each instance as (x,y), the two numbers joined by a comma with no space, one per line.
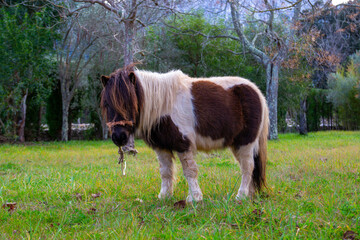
(164,195)
(241,197)
(196,197)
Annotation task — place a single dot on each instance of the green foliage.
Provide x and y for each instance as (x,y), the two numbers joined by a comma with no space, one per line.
(184,46)
(92,92)
(104,64)
(318,107)
(294,86)
(33,118)
(344,92)
(54,112)
(289,97)
(96,131)
(26,42)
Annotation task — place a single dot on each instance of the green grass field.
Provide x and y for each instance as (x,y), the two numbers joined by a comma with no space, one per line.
(313,193)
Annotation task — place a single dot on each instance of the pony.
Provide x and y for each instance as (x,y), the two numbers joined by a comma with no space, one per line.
(174,113)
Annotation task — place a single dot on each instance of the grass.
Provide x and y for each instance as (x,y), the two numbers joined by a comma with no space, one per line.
(313,193)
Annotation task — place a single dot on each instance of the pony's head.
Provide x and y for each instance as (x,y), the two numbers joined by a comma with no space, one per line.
(121,101)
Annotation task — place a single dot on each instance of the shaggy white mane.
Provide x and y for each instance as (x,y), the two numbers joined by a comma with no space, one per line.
(160,91)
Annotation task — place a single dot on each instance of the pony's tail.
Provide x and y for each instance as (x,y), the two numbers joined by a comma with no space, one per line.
(259,173)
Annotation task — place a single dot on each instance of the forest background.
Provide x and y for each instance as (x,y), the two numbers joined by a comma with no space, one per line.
(304,55)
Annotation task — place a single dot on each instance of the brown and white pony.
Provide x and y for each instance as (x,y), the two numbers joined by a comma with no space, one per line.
(173,112)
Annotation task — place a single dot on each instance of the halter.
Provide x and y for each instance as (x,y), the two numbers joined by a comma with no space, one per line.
(121,123)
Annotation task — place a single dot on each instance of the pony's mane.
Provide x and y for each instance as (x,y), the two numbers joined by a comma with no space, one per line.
(120,95)
(160,90)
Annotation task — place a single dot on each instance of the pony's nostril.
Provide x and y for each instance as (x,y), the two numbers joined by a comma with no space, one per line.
(122,137)
(119,139)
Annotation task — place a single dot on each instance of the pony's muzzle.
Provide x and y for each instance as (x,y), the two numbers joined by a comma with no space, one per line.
(120,138)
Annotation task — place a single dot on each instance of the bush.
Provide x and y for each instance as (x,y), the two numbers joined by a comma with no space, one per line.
(344,93)
(54,113)
(318,107)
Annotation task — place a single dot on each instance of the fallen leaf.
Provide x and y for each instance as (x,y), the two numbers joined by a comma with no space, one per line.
(257,212)
(240,202)
(10,205)
(350,235)
(95,195)
(234,225)
(78,196)
(180,204)
(92,210)
(299,194)
(141,221)
(293,177)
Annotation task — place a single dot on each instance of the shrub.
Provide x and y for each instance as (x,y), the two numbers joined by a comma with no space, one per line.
(344,93)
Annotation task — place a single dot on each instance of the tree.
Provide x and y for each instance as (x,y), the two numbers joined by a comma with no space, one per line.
(74,53)
(338,30)
(105,62)
(344,92)
(273,52)
(183,43)
(26,43)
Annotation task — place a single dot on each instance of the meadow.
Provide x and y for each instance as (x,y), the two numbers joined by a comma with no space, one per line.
(75,190)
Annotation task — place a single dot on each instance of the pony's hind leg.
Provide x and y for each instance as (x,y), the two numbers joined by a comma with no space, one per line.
(245,156)
(166,172)
(190,169)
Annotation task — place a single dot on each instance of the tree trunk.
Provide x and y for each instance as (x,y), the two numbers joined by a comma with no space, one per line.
(23,118)
(128,46)
(39,122)
(302,118)
(65,120)
(104,128)
(69,127)
(272,86)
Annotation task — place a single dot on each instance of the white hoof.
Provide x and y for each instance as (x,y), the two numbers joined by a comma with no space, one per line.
(164,195)
(197,197)
(241,196)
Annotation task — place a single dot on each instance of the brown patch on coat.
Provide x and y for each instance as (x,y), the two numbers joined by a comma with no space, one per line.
(233,114)
(251,113)
(166,135)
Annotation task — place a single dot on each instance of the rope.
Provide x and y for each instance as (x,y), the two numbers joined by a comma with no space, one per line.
(121,123)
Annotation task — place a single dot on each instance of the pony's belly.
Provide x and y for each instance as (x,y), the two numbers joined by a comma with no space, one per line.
(207,144)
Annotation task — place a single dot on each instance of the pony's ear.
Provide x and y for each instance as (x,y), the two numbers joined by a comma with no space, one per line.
(104,80)
(132,77)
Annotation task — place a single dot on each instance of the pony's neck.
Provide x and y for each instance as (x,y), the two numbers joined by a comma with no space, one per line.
(160,91)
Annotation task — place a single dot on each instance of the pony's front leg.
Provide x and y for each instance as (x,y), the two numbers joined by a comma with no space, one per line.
(190,170)
(166,172)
